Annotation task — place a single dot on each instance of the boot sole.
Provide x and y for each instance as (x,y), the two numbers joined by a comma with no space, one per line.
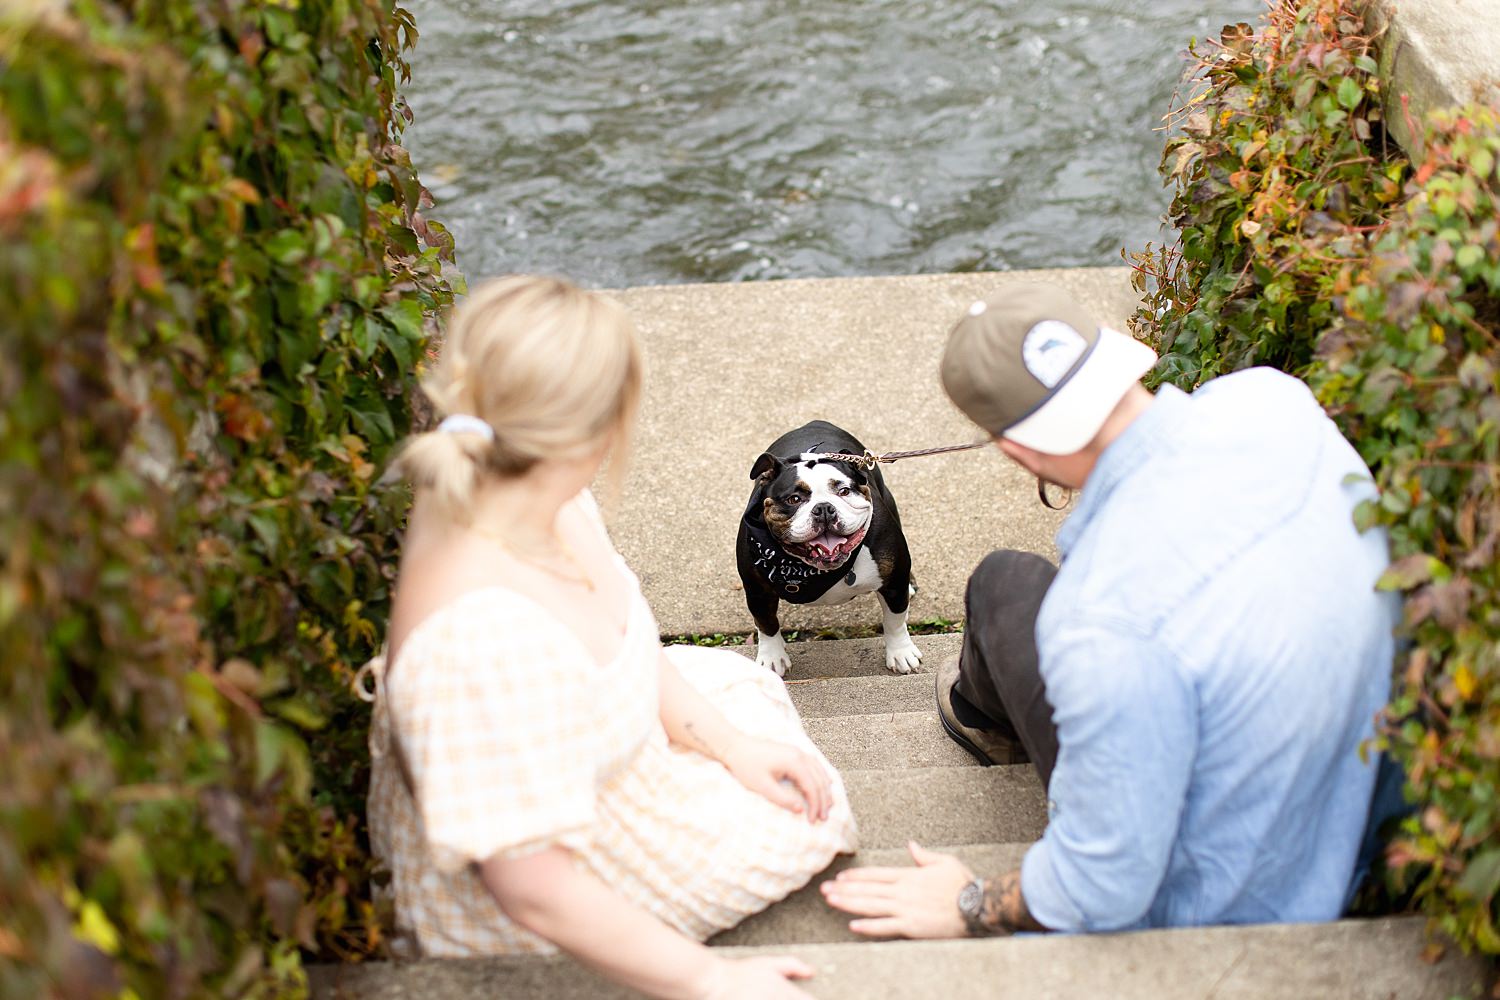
(958,737)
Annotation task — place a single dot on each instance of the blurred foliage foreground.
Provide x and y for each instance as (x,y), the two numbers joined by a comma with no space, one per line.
(1308,242)
(215,283)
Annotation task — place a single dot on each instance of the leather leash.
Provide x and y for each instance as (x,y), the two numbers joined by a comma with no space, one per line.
(869,459)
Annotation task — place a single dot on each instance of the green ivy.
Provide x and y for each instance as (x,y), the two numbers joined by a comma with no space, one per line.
(217,286)
(1412,373)
(1306,242)
(1275,182)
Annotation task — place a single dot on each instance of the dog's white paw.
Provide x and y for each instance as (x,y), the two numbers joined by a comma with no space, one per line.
(902,656)
(770,652)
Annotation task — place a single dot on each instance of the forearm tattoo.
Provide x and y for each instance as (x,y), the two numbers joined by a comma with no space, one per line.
(694,740)
(1003,909)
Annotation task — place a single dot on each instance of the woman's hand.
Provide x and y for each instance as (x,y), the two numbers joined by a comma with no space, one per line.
(791,778)
(764,977)
(787,776)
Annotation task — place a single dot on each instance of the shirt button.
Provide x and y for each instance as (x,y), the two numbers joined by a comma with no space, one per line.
(1051,808)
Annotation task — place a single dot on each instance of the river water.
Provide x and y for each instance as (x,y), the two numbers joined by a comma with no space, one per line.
(664,141)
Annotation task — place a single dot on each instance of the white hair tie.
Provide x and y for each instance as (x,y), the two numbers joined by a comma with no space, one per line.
(464,423)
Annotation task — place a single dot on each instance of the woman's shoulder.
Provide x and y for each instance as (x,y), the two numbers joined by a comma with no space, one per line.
(585,500)
(493,629)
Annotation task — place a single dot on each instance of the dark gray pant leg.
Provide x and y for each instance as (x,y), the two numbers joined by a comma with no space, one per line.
(998,669)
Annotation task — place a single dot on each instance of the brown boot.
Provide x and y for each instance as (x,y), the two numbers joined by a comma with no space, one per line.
(987,745)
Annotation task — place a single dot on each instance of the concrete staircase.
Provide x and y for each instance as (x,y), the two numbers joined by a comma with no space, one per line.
(730,368)
(906,781)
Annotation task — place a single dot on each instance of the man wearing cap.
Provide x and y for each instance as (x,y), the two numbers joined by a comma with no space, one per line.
(1194,683)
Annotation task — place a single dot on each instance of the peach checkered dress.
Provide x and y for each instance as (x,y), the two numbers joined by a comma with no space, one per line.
(516,740)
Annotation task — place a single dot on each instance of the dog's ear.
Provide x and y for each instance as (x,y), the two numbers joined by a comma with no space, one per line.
(858,476)
(768,466)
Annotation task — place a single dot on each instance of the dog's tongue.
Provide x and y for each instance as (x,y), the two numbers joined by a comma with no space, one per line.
(825,545)
(828,549)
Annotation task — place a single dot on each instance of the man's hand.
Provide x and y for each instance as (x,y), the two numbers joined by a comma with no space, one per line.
(920,902)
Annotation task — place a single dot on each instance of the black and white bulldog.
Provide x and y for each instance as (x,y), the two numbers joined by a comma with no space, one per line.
(818,531)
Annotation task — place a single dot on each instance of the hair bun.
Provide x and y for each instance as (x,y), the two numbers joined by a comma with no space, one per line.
(531,368)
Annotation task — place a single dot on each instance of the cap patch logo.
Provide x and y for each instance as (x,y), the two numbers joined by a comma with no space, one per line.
(1050,351)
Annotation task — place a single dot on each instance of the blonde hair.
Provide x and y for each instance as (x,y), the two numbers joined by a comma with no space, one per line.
(555,370)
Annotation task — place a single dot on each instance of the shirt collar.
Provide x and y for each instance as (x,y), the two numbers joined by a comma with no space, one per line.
(1152,432)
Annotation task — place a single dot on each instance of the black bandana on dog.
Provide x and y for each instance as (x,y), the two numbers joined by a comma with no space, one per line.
(792,579)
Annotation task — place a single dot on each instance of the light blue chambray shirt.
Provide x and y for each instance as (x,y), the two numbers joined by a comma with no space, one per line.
(1214,652)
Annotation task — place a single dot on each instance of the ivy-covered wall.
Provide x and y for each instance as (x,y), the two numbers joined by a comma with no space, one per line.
(1308,241)
(215,288)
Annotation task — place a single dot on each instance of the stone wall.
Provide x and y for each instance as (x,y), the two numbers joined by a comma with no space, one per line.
(1439,54)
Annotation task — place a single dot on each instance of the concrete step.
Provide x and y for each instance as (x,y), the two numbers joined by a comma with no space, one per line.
(858,657)
(892,740)
(803,917)
(947,805)
(1348,960)
(822,697)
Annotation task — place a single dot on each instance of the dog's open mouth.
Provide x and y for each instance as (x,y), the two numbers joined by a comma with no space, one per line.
(829,550)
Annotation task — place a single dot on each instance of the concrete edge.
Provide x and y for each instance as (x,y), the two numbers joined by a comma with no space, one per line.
(1347,960)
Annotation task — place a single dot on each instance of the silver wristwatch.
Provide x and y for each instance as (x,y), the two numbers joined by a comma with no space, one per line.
(971,905)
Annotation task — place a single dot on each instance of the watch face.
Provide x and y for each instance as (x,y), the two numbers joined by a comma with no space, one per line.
(968,899)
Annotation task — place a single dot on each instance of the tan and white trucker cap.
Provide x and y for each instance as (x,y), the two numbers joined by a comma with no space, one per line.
(1030,364)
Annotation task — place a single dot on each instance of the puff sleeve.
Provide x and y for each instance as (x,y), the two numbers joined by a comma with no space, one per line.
(487,720)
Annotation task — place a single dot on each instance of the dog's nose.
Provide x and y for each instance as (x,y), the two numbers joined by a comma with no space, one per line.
(825,512)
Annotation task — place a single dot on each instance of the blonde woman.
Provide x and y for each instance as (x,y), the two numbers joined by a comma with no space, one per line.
(547,775)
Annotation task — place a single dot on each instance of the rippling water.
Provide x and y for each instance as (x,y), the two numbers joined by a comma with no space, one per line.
(664,141)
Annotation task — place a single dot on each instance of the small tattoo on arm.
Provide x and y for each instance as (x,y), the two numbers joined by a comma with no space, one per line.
(693,740)
(1003,909)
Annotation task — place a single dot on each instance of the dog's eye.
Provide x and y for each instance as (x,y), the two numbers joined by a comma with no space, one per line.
(792,500)
(843,491)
